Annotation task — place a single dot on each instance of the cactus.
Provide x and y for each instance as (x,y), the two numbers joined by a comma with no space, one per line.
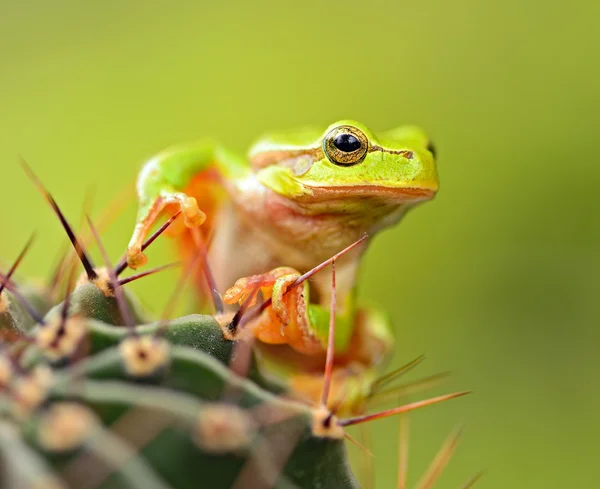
(97,394)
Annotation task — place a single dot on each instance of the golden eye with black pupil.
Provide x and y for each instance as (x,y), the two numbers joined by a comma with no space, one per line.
(346,145)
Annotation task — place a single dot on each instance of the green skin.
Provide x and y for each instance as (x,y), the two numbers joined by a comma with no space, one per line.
(296,202)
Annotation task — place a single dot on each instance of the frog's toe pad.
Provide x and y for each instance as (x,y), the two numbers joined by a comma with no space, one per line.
(241,290)
(282,307)
(192,215)
(136,259)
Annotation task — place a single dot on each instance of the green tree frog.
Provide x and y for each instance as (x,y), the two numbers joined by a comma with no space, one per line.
(297,199)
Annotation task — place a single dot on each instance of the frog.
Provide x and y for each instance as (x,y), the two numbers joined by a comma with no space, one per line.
(296,199)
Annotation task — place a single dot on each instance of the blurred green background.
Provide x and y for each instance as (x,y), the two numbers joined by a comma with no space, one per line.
(496,280)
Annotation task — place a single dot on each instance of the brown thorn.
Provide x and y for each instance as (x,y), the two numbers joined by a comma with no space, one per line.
(241,357)
(85,260)
(138,276)
(232,327)
(330,341)
(65,259)
(268,414)
(117,289)
(208,275)
(176,294)
(394,374)
(64,313)
(8,285)
(262,469)
(88,203)
(242,354)
(257,311)
(137,425)
(339,401)
(358,444)
(403,452)
(122,265)
(401,409)
(367,466)
(321,266)
(408,388)
(440,461)
(114,208)
(60,259)
(471,482)
(13,355)
(18,261)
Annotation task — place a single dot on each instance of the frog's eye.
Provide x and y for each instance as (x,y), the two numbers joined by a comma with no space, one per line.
(346,145)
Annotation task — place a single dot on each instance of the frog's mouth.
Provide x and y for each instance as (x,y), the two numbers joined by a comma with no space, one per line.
(386,193)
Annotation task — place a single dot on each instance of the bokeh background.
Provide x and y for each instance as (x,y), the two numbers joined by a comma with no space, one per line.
(496,280)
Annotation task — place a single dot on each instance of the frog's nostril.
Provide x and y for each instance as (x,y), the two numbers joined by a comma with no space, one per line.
(431,148)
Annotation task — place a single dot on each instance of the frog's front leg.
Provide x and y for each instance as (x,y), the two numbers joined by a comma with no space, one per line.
(163,182)
(291,319)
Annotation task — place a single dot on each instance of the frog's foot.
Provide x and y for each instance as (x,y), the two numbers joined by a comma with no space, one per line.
(192,215)
(286,321)
(273,285)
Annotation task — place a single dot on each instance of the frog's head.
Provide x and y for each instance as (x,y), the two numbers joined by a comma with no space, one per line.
(348,164)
